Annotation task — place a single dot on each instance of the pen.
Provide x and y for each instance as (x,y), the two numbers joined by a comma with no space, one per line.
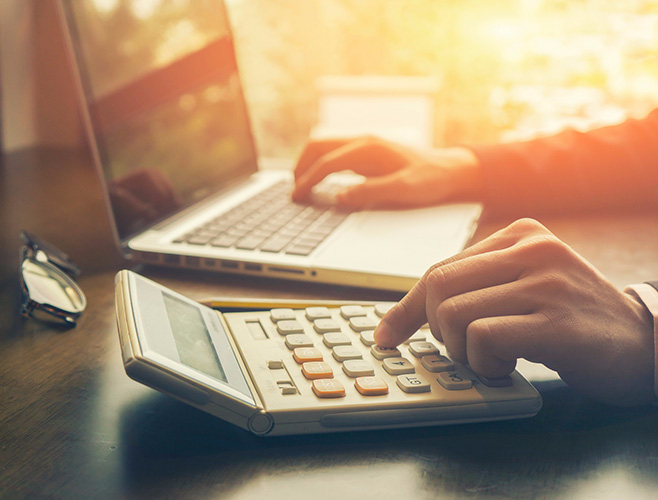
(255,304)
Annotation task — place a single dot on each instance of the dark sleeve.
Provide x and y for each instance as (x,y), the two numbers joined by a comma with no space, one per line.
(608,168)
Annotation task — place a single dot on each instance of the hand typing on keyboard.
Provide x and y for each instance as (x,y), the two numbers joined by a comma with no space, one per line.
(395,176)
(523,293)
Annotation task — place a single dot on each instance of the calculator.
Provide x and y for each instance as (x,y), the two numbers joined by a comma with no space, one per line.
(297,371)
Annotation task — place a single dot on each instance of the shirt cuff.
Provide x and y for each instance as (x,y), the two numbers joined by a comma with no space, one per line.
(648,295)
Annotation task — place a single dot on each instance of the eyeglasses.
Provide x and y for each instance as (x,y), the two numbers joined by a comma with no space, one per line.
(47,282)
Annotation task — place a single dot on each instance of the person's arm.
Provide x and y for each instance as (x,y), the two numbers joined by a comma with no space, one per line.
(614,166)
(523,293)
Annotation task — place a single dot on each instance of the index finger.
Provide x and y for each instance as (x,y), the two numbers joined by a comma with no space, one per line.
(315,150)
(410,313)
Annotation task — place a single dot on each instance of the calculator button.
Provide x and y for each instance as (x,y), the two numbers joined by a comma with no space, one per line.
(413,383)
(505,381)
(326,325)
(280,314)
(362,323)
(382,309)
(348,312)
(371,386)
(357,368)
(416,337)
(420,349)
(317,369)
(345,352)
(298,340)
(305,354)
(286,387)
(328,388)
(275,364)
(437,364)
(332,339)
(453,381)
(288,326)
(384,352)
(398,366)
(313,313)
(367,337)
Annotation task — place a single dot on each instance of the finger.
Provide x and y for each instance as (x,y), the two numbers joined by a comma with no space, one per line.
(315,150)
(494,344)
(360,156)
(412,311)
(379,192)
(404,318)
(454,315)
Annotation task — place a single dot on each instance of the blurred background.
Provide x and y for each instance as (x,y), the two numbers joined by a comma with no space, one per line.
(425,72)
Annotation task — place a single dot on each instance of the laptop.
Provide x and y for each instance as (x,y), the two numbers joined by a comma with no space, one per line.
(169,131)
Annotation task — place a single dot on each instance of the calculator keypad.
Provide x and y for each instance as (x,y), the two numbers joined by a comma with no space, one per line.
(325,342)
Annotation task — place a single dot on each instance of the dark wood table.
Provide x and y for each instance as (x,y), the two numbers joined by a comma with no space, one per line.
(73,425)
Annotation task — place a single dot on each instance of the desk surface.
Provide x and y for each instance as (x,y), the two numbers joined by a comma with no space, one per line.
(73,425)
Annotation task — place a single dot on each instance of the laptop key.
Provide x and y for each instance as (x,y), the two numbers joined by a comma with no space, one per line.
(224,241)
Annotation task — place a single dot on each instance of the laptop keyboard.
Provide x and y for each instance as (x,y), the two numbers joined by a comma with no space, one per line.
(269,222)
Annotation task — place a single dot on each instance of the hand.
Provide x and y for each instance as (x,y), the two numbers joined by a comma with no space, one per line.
(396,176)
(523,293)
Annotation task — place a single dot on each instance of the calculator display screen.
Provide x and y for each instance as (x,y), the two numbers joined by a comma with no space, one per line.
(191,337)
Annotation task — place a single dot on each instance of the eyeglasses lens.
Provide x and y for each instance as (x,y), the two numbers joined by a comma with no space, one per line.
(47,285)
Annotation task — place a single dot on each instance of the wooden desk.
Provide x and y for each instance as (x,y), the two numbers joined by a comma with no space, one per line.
(73,425)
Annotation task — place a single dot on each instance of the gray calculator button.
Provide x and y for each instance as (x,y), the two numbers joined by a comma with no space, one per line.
(362,323)
(453,381)
(420,349)
(382,309)
(333,339)
(298,340)
(326,325)
(345,352)
(277,315)
(384,352)
(413,383)
(437,364)
(367,337)
(348,312)
(419,336)
(398,366)
(288,326)
(357,368)
(318,312)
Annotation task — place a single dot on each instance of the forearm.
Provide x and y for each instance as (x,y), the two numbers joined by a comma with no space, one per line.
(610,167)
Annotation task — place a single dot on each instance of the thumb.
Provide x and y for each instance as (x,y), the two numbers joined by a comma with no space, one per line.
(383,191)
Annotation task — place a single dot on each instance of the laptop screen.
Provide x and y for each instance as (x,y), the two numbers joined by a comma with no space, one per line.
(167,113)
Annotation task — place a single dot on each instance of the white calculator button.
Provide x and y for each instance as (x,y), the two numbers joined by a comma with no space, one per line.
(348,312)
(413,383)
(326,325)
(298,340)
(384,352)
(437,364)
(398,366)
(362,323)
(333,339)
(367,337)
(280,314)
(453,381)
(288,326)
(416,337)
(275,364)
(382,309)
(345,352)
(357,368)
(420,349)
(319,312)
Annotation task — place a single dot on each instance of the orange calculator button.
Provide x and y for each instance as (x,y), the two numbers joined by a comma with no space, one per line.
(305,354)
(317,369)
(328,388)
(371,386)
